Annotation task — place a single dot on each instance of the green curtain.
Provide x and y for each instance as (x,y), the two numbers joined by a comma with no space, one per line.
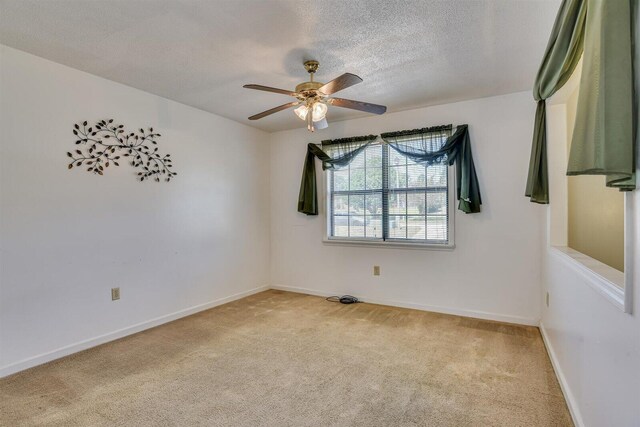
(602,141)
(437,145)
(603,137)
(337,152)
(560,59)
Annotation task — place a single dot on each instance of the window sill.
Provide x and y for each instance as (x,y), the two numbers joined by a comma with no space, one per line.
(604,279)
(396,245)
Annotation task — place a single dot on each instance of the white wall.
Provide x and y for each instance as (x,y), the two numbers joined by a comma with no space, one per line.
(494,271)
(595,346)
(68,236)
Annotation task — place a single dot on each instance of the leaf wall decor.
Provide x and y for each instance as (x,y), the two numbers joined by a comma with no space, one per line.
(106,143)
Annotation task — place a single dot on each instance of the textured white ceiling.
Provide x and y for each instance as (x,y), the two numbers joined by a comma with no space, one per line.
(409,53)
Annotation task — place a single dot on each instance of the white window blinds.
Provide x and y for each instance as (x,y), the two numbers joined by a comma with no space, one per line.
(384,196)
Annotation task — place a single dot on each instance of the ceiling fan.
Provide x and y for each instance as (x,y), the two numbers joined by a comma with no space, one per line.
(313,98)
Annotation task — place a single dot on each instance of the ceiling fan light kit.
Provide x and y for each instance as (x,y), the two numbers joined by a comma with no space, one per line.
(318,111)
(315,97)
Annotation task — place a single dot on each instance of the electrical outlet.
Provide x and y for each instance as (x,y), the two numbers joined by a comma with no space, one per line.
(376,270)
(546,299)
(115,294)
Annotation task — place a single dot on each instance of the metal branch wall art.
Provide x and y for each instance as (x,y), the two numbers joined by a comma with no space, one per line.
(105,143)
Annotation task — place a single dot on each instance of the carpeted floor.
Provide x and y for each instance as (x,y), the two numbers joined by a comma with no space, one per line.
(284,359)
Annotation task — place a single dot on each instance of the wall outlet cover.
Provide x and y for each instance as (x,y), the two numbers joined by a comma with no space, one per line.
(115,294)
(376,270)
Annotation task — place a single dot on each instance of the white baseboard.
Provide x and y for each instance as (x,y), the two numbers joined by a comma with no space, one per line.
(437,309)
(568,396)
(92,342)
(120,333)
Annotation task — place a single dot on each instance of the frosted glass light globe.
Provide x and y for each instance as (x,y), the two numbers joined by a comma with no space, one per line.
(319,110)
(301,112)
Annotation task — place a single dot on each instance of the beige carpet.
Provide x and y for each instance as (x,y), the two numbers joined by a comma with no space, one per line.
(284,359)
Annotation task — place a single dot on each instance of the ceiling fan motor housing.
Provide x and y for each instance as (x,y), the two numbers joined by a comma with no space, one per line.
(309,89)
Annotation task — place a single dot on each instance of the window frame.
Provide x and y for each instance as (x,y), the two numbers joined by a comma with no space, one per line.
(390,243)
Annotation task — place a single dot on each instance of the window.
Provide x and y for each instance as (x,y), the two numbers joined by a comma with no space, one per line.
(382,196)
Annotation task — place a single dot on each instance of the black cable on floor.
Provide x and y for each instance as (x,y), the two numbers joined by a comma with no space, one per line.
(344,299)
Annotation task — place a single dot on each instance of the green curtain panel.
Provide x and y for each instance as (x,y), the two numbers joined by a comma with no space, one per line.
(603,134)
(603,137)
(437,145)
(538,179)
(337,152)
(560,60)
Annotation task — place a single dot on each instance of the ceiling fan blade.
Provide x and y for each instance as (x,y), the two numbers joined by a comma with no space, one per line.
(273,110)
(271,89)
(358,105)
(344,81)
